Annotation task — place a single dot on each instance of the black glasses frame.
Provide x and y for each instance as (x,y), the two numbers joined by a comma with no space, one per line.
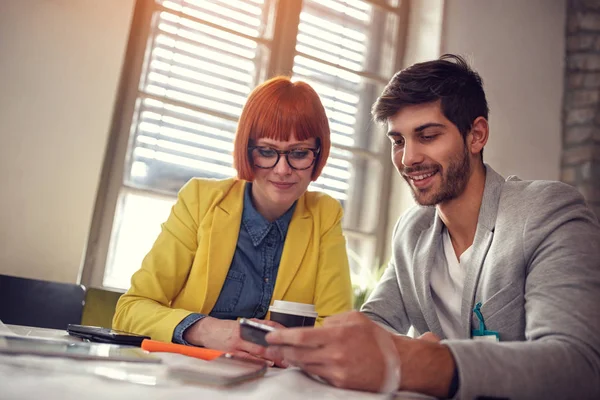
(316,153)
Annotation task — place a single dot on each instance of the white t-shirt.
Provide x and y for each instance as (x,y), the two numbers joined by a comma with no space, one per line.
(447,282)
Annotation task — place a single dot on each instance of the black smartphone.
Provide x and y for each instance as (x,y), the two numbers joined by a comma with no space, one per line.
(254,332)
(105,335)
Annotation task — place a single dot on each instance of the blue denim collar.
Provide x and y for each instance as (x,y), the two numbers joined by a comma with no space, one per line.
(257,226)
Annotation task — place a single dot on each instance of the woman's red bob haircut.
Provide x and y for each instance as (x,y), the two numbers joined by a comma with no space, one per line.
(276,109)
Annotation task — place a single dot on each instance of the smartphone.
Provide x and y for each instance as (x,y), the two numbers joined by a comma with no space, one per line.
(254,332)
(105,335)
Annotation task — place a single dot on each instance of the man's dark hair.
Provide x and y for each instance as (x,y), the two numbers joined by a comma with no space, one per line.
(448,78)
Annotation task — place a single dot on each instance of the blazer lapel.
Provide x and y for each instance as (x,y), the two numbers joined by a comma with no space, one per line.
(428,253)
(481,243)
(224,232)
(296,243)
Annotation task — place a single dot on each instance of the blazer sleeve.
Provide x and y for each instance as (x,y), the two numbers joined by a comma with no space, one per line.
(145,308)
(560,358)
(385,305)
(333,290)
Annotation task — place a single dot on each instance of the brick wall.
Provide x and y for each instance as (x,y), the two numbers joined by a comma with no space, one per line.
(581,119)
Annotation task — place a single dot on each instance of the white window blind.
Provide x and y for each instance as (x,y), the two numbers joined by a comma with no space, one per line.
(202,59)
(192,91)
(334,31)
(338,51)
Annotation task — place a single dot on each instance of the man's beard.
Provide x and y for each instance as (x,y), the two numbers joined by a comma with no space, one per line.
(454,180)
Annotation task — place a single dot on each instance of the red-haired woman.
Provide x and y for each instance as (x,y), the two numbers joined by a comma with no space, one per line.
(232,247)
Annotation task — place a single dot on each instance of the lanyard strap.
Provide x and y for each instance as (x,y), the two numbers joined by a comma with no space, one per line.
(477,311)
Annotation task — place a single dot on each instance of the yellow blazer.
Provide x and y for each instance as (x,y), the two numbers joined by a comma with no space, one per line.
(185,270)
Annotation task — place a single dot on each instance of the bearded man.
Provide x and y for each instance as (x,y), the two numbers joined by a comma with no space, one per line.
(499,277)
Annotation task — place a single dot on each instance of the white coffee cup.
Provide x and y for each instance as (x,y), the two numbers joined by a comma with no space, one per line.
(292,314)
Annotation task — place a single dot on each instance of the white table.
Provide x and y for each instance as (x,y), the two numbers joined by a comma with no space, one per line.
(32,331)
(32,377)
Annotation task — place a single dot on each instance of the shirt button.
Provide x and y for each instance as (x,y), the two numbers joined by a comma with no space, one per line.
(266,280)
(262,309)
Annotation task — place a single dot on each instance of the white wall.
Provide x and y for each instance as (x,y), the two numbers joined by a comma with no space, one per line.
(60,63)
(518,47)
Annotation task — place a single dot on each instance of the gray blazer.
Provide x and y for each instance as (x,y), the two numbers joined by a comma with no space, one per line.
(535,267)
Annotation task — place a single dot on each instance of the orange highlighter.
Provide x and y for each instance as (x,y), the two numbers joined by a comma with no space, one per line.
(198,352)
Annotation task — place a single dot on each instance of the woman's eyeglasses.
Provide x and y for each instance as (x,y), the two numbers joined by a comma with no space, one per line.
(268,157)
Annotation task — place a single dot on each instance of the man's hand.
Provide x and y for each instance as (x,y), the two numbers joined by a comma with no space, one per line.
(345,351)
(224,335)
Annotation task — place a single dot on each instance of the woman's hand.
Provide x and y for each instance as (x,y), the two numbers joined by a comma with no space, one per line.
(224,335)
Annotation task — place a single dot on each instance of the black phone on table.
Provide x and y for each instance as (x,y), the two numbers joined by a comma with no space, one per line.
(105,335)
(254,332)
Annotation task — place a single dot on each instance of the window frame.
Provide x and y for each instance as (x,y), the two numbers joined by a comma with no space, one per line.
(281,61)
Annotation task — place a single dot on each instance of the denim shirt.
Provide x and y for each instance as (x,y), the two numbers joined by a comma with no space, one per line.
(249,285)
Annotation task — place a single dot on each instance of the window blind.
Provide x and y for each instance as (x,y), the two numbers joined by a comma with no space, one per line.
(203,59)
